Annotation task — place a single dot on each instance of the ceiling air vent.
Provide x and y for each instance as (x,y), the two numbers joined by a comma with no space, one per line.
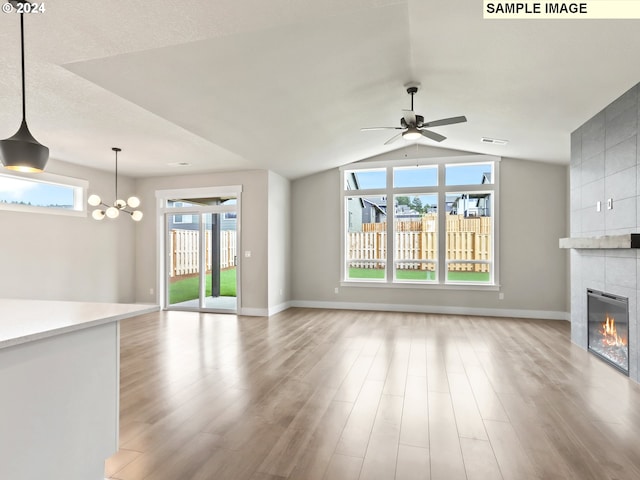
(493,141)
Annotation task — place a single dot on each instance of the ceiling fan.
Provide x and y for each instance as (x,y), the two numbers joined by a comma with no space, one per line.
(414,125)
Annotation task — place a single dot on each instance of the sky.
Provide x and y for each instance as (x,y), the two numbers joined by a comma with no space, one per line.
(424,176)
(18,190)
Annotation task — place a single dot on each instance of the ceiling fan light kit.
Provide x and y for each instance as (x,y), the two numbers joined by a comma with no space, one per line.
(414,127)
(119,205)
(412,133)
(22,152)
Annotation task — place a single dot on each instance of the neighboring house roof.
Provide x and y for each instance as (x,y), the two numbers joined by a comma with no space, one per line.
(405,210)
(380,206)
(486,178)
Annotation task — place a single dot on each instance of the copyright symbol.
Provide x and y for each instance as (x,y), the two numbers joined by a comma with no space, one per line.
(7,8)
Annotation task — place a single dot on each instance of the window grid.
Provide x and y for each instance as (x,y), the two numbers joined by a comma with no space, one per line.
(436,264)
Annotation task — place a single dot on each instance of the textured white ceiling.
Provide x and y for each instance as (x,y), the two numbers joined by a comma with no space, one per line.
(287,85)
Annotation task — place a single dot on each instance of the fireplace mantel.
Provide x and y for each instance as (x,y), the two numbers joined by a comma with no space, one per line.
(627,240)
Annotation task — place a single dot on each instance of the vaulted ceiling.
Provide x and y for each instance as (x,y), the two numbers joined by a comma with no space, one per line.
(286,85)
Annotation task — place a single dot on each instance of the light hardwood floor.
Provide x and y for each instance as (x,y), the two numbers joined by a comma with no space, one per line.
(320,394)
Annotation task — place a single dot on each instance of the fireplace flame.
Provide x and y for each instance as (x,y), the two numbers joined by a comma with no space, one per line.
(610,335)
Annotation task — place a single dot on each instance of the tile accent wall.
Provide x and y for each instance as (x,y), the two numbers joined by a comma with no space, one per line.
(605,158)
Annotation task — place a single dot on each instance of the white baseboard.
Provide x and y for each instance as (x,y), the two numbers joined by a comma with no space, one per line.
(253,312)
(279,308)
(264,312)
(448,310)
(390,307)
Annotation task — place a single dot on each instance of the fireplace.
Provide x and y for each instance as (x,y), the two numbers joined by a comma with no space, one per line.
(608,328)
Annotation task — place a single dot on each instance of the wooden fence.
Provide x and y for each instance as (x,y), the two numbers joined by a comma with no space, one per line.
(185,247)
(466,239)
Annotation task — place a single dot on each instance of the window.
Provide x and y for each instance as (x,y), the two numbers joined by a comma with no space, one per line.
(415,176)
(469,174)
(366,237)
(365,179)
(180,219)
(42,193)
(415,237)
(430,224)
(469,237)
(189,220)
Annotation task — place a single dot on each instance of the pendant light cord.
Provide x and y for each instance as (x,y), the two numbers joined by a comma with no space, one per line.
(24,109)
(115,150)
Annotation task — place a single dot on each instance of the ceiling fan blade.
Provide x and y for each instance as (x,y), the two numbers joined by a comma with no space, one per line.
(393,139)
(380,128)
(445,121)
(432,135)
(409,118)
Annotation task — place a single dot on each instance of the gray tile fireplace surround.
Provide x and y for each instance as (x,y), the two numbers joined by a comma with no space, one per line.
(604,165)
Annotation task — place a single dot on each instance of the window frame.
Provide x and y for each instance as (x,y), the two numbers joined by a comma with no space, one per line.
(441,191)
(409,192)
(344,249)
(79,186)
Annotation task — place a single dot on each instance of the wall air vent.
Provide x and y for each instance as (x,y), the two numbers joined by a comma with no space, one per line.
(493,141)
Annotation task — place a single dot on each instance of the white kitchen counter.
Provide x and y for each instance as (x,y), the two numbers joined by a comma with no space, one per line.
(59,387)
(24,321)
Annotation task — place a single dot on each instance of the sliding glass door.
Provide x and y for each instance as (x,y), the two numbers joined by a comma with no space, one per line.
(184,282)
(221,258)
(201,255)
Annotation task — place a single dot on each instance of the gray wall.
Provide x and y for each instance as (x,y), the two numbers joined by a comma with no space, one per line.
(55,257)
(604,164)
(533,216)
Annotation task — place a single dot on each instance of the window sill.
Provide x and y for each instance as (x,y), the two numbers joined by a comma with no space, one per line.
(45,210)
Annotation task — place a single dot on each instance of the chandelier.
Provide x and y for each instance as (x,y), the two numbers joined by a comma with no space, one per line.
(113,211)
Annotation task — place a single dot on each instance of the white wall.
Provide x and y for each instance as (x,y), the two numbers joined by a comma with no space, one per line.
(532,268)
(55,257)
(279,238)
(254,233)
(293,232)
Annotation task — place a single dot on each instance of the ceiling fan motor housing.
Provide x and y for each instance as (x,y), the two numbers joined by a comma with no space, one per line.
(419,122)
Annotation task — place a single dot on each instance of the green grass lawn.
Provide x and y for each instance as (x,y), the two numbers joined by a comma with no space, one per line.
(187,289)
(419,275)
(477,277)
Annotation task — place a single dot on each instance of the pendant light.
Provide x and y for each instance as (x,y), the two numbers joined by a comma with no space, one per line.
(22,152)
(119,205)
